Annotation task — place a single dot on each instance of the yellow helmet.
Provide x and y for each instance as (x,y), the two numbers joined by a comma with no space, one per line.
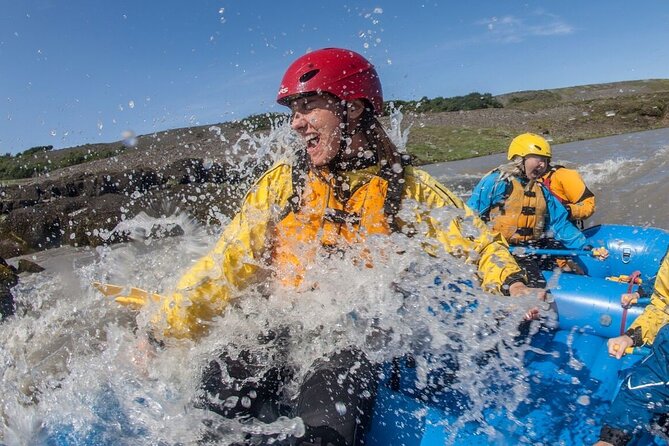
(529,144)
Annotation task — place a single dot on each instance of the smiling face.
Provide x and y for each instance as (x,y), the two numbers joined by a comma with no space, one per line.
(317,119)
(535,166)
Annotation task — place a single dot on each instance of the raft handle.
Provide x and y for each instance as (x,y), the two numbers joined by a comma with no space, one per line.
(627,255)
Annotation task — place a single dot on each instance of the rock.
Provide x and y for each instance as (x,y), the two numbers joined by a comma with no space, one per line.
(27,266)
(81,205)
(8,278)
(185,171)
(11,246)
(76,221)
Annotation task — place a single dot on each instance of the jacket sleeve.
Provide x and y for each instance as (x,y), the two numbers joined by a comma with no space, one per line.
(462,233)
(583,209)
(580,200)
(204,290)
(558,223)
(488,192)
(656,313)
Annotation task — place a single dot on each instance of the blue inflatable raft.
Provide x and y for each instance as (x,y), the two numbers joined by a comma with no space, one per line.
(569,389)
(570,377)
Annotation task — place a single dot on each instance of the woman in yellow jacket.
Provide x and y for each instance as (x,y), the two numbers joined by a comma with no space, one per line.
(644,394)
(348,183)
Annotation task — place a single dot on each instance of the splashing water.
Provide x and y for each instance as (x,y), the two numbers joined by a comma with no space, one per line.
(75,365)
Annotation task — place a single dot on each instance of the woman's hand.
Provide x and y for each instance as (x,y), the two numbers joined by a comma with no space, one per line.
(518,289)
(600,253)
(617,346)
(142,353)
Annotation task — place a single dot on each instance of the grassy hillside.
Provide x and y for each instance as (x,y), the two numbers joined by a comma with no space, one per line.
(562,115)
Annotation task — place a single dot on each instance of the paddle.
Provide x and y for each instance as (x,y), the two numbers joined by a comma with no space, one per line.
(128,296)
(641,351)
(528,251)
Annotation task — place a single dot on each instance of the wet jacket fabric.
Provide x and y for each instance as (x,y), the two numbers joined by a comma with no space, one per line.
(492,191)
(570,188)
(643,395)
(656,313)
(254,241)
(330,222)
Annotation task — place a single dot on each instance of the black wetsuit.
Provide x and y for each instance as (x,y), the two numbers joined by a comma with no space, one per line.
(335,399)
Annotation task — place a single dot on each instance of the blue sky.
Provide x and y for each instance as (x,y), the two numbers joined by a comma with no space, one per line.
(83,71)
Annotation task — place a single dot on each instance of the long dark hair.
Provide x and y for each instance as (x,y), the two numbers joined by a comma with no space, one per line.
(391,161)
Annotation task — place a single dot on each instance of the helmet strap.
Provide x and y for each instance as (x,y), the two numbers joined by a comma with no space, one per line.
(345,134)
(344,139)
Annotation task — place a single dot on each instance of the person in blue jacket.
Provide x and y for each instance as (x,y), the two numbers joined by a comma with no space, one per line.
(514,202)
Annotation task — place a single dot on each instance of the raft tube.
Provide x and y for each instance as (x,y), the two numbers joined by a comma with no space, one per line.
(572,379)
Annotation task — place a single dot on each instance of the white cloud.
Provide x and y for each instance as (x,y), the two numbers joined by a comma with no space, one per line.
(511,29)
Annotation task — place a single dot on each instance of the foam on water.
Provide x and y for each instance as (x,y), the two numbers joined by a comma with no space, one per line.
(608,170)
(75,363)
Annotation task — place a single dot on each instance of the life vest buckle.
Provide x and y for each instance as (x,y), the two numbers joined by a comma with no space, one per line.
(341,217)
(525,232)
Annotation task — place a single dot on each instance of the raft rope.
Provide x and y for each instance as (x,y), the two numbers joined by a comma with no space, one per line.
(633,280)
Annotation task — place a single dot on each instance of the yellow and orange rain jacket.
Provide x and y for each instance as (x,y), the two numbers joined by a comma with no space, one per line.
(656,313)
(271,230)
(568,186)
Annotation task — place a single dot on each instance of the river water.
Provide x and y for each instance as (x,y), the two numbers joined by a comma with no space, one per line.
(75,369)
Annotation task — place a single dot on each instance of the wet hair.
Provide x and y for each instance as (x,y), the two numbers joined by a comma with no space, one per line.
(391,161)
(515,168)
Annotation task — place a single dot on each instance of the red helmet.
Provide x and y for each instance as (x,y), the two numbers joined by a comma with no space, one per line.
(343,73)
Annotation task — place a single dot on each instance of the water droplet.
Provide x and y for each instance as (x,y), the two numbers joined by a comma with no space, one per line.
(341,408)
(129,138)
(131,104)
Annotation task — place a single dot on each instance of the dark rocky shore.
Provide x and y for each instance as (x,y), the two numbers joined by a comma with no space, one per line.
(184,169)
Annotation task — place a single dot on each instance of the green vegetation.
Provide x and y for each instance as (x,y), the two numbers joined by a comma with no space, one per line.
(431,144)
(263,121)
(645,106)
(34,150)
(534,100)
(36,160)
(472,101)
(566,114)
